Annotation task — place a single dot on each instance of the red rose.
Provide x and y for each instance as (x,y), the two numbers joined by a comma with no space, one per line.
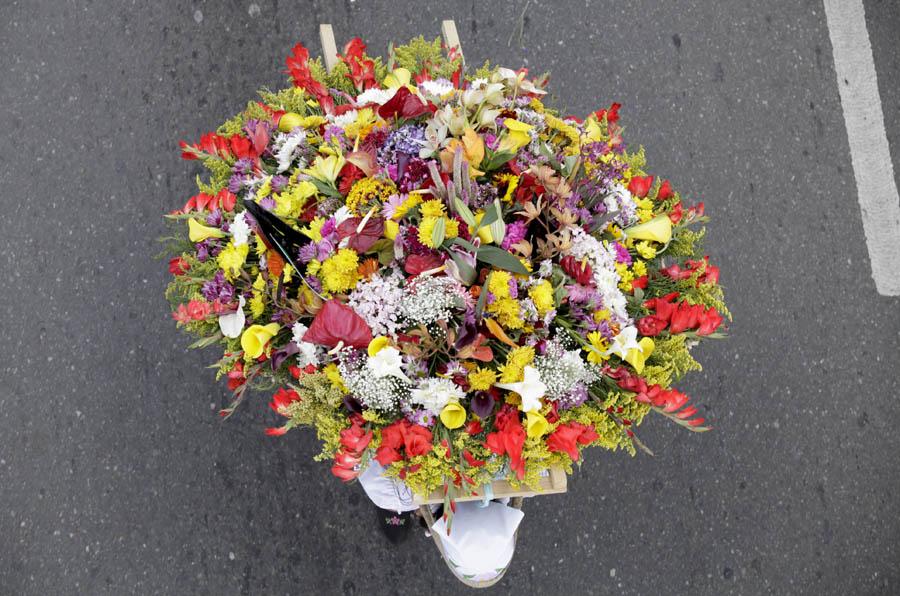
(665,191)
(640,185)
(651,326)
(178,266)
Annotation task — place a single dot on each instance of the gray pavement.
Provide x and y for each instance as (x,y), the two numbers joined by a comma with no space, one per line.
(117,477)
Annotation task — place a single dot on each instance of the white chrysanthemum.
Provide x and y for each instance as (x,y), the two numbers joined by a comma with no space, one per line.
(346,119)
(436,88)
(434,393)
(240,230)
(287,146)
(374,95)
(307,354)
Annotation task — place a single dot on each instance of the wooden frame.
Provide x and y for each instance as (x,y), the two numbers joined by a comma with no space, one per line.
(555,482)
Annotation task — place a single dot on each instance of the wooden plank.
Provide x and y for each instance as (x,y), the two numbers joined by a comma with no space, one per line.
(451,37)
(555,482)
(329,47)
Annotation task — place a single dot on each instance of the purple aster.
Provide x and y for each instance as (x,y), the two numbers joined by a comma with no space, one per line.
(574,398)
(267,203)
(279,182)
(218,289)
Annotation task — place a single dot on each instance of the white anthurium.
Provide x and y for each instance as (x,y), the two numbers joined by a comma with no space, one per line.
(240,229)
(341,215)
(307,354)
(626,340)
(232,324)
(387,363)
(531,389)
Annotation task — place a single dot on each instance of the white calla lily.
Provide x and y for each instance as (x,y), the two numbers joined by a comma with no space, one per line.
(232,324)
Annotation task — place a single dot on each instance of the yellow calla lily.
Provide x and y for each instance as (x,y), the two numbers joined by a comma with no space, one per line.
(391,229)
(636,357)
(398,78)
(453,415)
(197,232)
(483,233)
(326,169)
(658,229)
(535,424)
(255,338)
(289,121)
(517,136)
(377,344)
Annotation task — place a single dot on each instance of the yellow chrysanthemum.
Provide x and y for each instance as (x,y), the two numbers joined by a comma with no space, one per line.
(338,272)
(314,229)
(542,296)
(264,189)
(367,193)
(451,228)
(644,249)
(639,267)
(362,126)
(499,284)
(232,258)
(482,379)
(426,231)
(516,361)
(432,208)
(411,201)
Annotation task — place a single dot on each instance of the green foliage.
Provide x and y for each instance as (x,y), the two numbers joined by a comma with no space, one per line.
(220,172)
(292,99)
(419,54)
(319,407)
(686,242)
(636,161)
(670,361)
(482,72)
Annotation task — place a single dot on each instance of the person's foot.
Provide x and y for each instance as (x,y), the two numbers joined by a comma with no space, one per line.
(395,526)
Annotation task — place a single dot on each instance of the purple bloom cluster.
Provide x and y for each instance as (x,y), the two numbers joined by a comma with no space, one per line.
(218,289)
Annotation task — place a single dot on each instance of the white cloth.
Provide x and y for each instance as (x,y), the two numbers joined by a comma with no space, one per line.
(482,539)
(387,493)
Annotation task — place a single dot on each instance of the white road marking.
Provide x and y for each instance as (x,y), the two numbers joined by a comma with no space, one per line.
(864,119)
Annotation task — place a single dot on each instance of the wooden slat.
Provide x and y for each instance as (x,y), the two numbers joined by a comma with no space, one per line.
(329,47)
(451,37)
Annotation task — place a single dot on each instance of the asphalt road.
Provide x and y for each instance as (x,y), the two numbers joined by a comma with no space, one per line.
(117,477)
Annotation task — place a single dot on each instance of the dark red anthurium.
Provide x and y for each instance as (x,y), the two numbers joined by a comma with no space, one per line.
(364,239)
(336,323)
(403,105)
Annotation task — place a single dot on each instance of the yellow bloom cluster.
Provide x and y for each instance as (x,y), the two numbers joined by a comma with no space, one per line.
(367,193)
(542,296)
(232,258)
(505,308)
(481,379)
(338,273)
(426,229)
(516,361)
(291,202)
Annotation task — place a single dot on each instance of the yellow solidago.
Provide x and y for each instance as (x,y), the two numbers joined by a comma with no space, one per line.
(367,193)
(338,272)
(516,361)
(598,346)
(481,379)
(258,300)
(232,258)
(542,296)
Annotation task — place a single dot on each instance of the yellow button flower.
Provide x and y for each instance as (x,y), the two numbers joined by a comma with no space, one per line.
(255,338)
(453,415)
(197,232)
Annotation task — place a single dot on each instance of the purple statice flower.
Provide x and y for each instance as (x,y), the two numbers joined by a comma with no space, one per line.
(334,134)
(576,396)
(405,141)
(279,182)
(622,254)
(515,232)
(218,289)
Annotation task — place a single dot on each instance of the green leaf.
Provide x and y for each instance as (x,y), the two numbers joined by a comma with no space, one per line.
(482,298)
(500,259)
(492,161)
(437,234)
(206,341)
(464,243)
(385,250)
(326,189)
(498,228)
(464,211)
(489,217)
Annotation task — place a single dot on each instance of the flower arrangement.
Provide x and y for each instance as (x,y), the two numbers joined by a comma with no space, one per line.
(435,269)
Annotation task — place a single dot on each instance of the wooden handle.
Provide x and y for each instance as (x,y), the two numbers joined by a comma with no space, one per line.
(451,37)
(329,47)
